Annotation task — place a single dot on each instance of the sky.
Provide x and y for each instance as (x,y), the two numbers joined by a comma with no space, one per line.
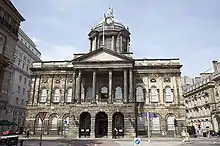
(185,29)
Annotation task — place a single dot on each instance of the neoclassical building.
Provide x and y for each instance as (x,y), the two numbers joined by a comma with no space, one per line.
(106,88)
(201,100)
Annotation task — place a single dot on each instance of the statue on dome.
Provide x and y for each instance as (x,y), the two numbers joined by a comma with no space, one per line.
(110,13)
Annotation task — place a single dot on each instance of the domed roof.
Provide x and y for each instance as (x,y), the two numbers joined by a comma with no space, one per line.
(109,20)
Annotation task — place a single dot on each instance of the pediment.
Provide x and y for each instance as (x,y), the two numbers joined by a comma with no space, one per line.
(102,55)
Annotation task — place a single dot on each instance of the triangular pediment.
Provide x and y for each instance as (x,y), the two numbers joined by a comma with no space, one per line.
(102,55)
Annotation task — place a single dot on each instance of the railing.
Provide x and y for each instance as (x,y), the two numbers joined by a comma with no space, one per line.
(52,64)
(157,62)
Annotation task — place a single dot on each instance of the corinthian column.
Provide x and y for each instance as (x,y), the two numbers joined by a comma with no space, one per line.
(94,86)
(131,85)
(125,86)
(79,86)
(110,87)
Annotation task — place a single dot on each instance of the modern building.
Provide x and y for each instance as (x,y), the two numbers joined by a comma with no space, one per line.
(200,101)
(10,20)
(105,89)
(25,54)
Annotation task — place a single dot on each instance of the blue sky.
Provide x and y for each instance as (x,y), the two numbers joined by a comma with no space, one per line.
(185,29)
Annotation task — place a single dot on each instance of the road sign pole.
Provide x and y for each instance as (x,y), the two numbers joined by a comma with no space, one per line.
(148,126)
(41,134)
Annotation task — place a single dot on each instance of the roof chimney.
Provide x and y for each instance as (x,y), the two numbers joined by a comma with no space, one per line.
(215,66)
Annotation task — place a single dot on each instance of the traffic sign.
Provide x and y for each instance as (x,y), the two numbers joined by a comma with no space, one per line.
(42,115)
(137,141)
(65,122)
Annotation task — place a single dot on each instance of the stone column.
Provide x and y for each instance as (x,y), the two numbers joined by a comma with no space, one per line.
(92,134)
(73,86)
(125,86)
(32,91)
(79,86)
(109,126)
(94,86)
(131,85)
(113,43)
(110,87)
(161,91)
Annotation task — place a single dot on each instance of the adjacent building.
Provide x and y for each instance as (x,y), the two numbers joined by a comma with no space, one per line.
(105,89)
(10,20)
(25,54)
(216,112)
(200,100)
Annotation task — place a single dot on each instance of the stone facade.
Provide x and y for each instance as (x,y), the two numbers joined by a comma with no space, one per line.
(201,100)
(106,89)
(10,20)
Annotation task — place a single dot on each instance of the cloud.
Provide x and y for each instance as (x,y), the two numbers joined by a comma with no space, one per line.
(54,51)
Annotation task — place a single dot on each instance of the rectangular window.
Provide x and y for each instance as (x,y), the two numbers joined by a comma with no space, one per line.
(19,89)
(20,78)
(23,91)
(23,65)
(25,80)
(17,100)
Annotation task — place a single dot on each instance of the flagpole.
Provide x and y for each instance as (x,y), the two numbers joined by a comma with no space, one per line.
(103,27)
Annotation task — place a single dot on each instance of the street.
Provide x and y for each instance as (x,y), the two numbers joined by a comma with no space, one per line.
(94,142)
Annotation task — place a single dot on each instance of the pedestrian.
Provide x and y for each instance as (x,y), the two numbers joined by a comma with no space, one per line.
(27,133)
(115,133)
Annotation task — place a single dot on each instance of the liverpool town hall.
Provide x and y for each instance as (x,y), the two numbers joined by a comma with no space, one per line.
(102,91)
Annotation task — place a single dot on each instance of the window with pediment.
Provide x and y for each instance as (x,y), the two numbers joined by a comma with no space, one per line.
(69,95)
(168,94)
(156,123)
(56,96)
(154,94)
(54,123)
(140,94)
(118,94)
(170,122)
(43,97)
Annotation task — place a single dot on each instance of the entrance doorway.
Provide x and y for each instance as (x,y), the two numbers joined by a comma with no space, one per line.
(118,125)
(85,124)
(101,125)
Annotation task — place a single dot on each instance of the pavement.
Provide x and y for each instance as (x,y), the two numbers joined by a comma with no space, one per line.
(155,141)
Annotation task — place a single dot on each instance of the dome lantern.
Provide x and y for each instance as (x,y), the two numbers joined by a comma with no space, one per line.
(110,34)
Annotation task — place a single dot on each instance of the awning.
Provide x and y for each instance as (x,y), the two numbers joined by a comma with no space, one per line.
(7,123)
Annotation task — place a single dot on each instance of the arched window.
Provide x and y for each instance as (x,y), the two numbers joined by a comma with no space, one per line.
(39,123)
(141,123)
(168,94)
(69,95)
(56,97)
(118,94)
(154,95)
(104,93)
(104,90)
(156,123)
(139,94)
(89,94)
(170,122)
(54,123)
(43,97)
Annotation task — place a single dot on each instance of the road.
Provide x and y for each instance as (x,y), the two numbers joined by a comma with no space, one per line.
(122,143)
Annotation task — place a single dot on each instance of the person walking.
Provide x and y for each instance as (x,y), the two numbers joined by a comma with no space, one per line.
(27,133)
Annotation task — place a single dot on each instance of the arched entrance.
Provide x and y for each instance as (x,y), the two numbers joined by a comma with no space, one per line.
(84,124)
(118,124)
(101,125)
